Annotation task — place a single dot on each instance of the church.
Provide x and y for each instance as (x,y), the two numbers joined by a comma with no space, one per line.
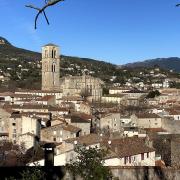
(84,85)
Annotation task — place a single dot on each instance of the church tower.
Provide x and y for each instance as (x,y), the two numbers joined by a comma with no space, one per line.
(50,67)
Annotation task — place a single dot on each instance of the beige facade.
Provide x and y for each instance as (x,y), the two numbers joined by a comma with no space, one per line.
(79,121)
(147,120)
(118,90)
(112,98)
(86,107)
(133,160)
(59,132)
(83,85)
(22,127)
(4,120)
(50,67)
(110,121)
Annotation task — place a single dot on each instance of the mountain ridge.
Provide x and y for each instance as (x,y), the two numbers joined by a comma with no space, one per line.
(170,63)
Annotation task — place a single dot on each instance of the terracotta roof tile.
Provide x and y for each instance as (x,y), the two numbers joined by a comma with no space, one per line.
(64,126)
(127,147)
(147,115)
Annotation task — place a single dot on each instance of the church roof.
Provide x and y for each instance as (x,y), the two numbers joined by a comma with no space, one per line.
(50,44)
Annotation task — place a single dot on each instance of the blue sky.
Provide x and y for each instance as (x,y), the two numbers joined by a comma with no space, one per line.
(116,31)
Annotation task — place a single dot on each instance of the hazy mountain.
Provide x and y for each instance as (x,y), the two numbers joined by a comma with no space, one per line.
(165,63)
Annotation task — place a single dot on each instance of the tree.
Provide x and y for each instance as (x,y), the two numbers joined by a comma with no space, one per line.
(47,3)
(89,164)
(153,94)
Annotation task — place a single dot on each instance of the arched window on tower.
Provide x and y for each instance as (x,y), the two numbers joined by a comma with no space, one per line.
(46,54)
(52,68)
(54,53)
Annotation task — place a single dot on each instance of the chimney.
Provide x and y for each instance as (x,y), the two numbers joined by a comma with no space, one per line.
(49,154)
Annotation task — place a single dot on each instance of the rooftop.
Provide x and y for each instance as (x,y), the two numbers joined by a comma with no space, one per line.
(147,115)
(50,44)
(129,146)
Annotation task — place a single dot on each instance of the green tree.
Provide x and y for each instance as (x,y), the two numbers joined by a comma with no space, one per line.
(89,164)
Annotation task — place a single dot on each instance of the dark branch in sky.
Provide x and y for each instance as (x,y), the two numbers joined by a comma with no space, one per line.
(48,3)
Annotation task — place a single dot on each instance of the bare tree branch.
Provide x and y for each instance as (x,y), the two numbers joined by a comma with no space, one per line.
(42,10)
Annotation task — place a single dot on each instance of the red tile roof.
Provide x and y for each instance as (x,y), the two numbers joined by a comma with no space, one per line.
(147,115)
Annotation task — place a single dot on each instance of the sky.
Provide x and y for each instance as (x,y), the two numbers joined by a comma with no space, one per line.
(116,31)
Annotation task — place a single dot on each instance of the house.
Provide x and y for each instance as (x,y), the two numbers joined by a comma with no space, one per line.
(118,90)
(130,151)
(112,98)
(65,151)
(131,131)
(80,120)
(110,122)
(173,112)
(75,100)
(125,120)
(22,127)
(42,93)
(59,132)
(27,107)
(58,110)
(134,93)
(4,123)
(147,120)
(131,101)
(86,107)
(47,100)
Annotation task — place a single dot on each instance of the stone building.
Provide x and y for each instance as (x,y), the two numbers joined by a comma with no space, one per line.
(23,129)
(50,67)
(84,85)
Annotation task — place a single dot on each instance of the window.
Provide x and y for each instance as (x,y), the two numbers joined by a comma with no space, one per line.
(142,156)
(52,54)
(14,124)
(130,159)
(125,160)
(52,68)
(147,154)
(14,130)
(46,53)
(54,139)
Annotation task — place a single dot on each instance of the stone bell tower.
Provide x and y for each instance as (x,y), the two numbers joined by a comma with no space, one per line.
(50,67)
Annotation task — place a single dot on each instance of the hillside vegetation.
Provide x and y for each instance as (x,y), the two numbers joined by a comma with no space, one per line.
(21,68)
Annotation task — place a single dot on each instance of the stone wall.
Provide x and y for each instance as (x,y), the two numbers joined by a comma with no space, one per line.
(146,173)
(141,173)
